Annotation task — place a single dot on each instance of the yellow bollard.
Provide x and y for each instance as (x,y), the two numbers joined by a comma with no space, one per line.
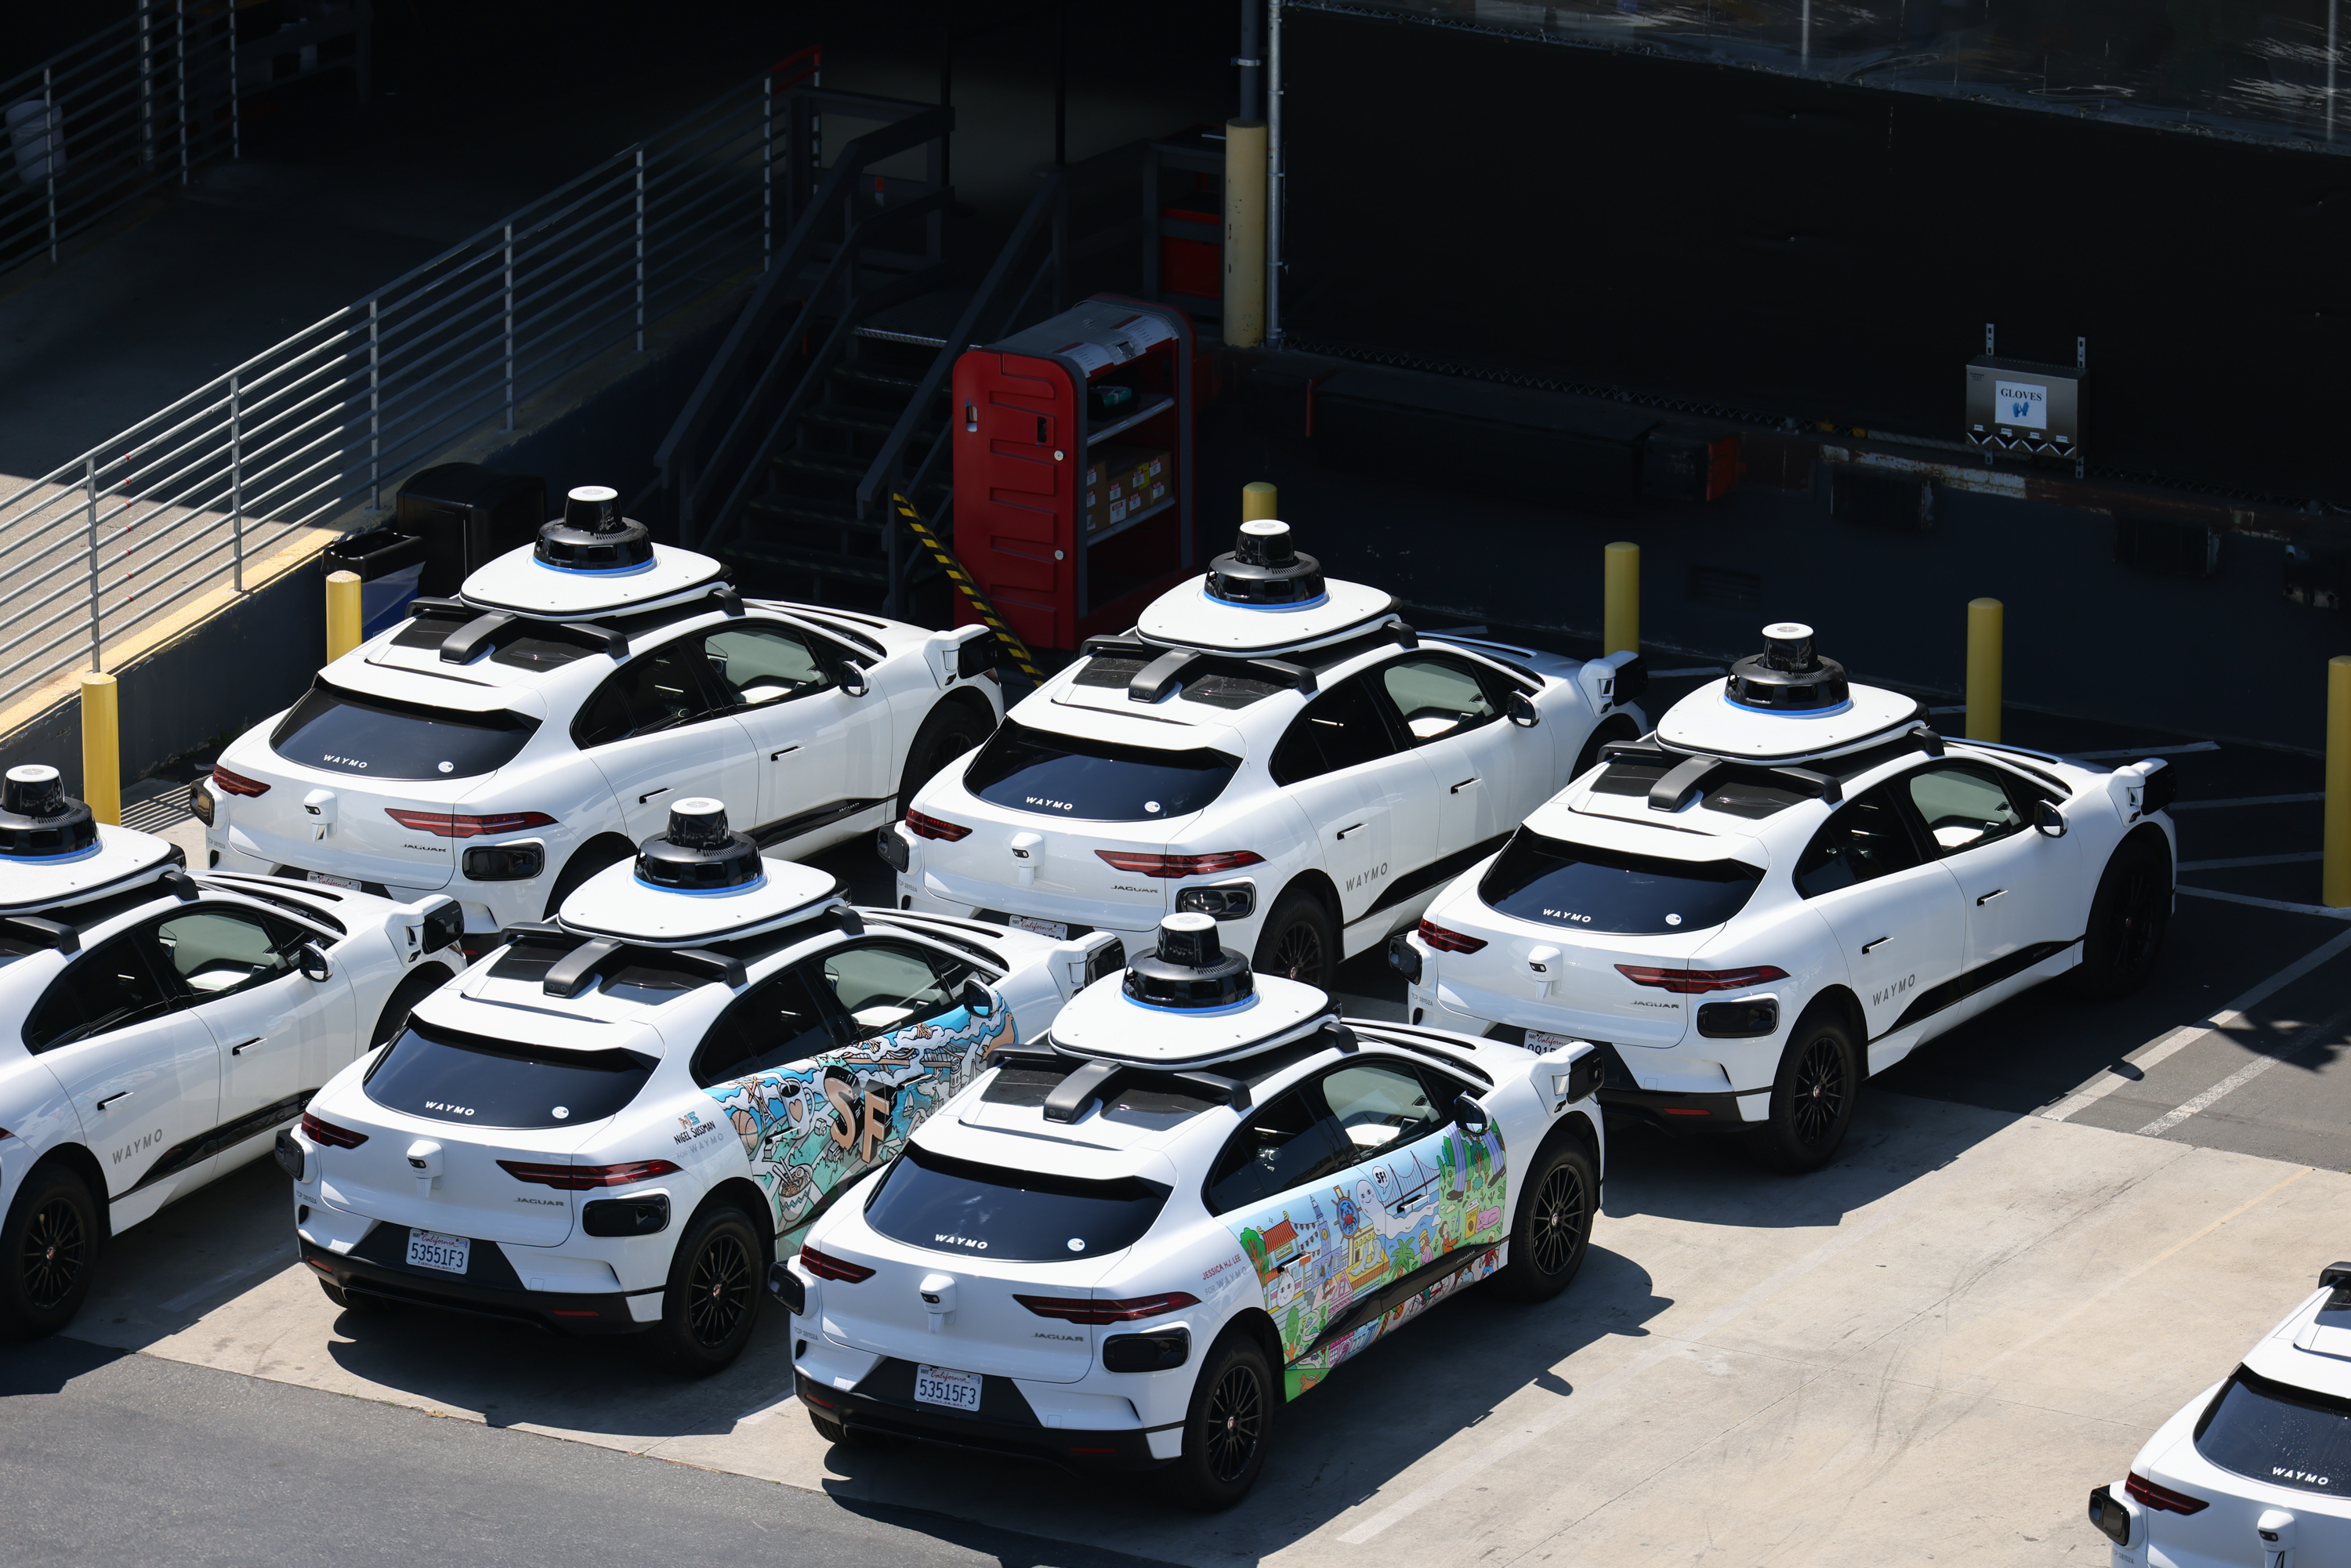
(1620,598)
(1259,499)
(342,613)
(2336,875)
(1984,632)
(1244,181)
(101,749)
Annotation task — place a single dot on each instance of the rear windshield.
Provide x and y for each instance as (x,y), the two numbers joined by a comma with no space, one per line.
(1585,888)
(1092,780)
(380,739)
(452,1077)
(944,1204)
(2277,1433)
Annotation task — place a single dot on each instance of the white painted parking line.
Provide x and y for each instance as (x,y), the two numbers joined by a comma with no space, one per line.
(2300,857)
(2247,800)
(278,1257)
(1955,707)
(2164,1045)
(1694,670)
(2243,1075)
(2247,898)
(2137,751)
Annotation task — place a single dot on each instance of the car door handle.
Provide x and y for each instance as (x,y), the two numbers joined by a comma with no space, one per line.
(118,1094)
(1463,785)
(1869,947)
(786,751)
(1350,828)
(1988,897)
(651,793)
(238,1049)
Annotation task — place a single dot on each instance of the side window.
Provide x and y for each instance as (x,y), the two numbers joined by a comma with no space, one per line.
(1963,806)
(1379,1105)
(888,985)
(114,987)
(1438,697)
(779,1021)
(1286,1143)
(1866,839)
(658,690)
(762,662)
(219,951)
(1341,727)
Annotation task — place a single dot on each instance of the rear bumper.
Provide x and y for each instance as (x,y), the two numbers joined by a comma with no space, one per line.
(603,1314)
(1005,1425)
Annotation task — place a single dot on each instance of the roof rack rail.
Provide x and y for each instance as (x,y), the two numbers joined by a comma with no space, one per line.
(590,956)
(1166,668)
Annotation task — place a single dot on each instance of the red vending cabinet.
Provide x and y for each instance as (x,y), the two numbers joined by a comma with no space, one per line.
(1074,468)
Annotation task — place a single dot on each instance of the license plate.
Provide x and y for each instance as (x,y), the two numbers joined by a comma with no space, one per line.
(1542,1039)
(344,882)
(1056,929)
(943,1386)
(430,1249)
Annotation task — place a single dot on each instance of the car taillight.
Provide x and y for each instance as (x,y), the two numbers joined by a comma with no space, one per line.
(924,827)
(584,1178)
(1080,1310)
(450,825)
(238,783)
(825,1266)
(1445,941)
(2147,1493)
(326,1133)
(1698,982)
(1182,866)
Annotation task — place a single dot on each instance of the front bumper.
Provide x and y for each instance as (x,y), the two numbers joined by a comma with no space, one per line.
(884,1403)
(489,1288)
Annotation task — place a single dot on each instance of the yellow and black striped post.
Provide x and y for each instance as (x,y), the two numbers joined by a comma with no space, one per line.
(968,588)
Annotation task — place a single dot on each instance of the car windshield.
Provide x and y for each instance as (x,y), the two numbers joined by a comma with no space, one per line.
(1094,781)
(1583,887)
(944,1204)
(2277,1433)
(451,1077)
(379,737)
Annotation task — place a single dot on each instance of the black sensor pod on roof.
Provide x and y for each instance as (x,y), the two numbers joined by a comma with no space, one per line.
(1190,968)
(699,853)
(1264,568)
(37,818)
(1788,677)
(592,536)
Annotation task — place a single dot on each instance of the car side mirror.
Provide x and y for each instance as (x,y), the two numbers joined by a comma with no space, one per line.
(1470,1115)
(2048,821)
(313,963)
(848,677)
(1520,711)
(976,997)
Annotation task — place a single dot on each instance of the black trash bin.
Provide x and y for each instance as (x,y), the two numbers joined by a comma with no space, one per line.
(388,563)
(466,514)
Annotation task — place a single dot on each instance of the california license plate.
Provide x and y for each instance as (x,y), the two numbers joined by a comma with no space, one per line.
(1056,929)
(1543,1040)
(943,1386)
(430,1249)
(335,881)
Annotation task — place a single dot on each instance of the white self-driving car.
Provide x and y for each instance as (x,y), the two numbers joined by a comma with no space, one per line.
(156,1029)
(507,745)
(1271,748)
(604,1127)
(2255,1471)
(1788,887)
(1130,1242)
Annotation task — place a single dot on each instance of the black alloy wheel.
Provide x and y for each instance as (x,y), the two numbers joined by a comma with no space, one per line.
(1227,1426)
(2137,919)
(1560,1214)
(718,1290)
(1821,1090)
(1236,1424)
(711,1306)
(55,1251)
(1298,941)
(49,1243)
(1813,1095)
(1298,954)
(1550,1229)
(2128,915)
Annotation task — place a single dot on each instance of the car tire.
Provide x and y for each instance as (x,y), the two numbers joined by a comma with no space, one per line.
(1813,1097)
(713,1300)
(1299,941)
(414,986)
(949,731)
(589,858)
(2128,915)
(1553,1229)
(357,1303)
(1226,1428)
(48,1250)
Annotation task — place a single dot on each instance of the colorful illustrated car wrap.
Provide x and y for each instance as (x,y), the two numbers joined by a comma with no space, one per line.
(811,1126)
(1324,1252)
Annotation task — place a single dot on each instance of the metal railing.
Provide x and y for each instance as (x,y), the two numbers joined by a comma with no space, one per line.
(99,551)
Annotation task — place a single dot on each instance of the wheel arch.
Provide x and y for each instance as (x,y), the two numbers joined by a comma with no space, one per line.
(1316,883)
(1258,1324)
(741,1193)
(615,847)
(79,1160)
(1848,1007)
(414,985)
(1614,728)
(2153,838)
